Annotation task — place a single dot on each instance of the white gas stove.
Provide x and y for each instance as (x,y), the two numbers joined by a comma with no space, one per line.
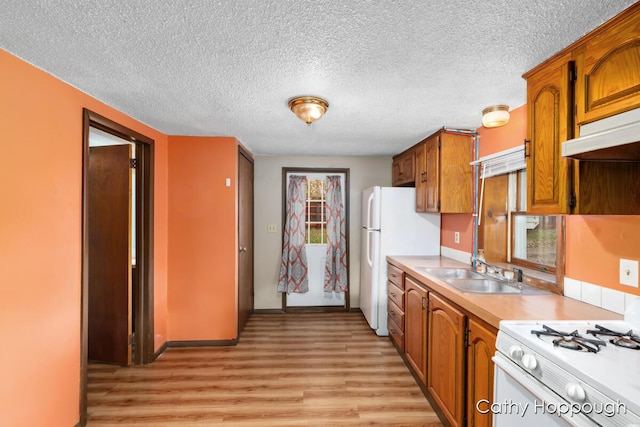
(567,372)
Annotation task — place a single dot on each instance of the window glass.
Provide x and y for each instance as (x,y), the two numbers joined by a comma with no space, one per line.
(316,219)
(534,239)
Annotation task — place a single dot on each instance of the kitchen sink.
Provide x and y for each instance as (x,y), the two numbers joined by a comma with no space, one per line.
(491,286)
(452,273)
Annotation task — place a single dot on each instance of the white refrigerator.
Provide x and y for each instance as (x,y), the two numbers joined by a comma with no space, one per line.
(390,226)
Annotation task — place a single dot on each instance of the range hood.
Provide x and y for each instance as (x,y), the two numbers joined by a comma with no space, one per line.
(615,138)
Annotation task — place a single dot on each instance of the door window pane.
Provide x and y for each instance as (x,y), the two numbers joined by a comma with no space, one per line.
(316,217)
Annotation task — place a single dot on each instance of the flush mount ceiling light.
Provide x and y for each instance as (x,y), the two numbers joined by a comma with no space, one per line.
(494,116)
(308,108)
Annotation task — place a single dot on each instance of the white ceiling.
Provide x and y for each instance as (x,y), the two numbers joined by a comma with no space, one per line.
(392,71)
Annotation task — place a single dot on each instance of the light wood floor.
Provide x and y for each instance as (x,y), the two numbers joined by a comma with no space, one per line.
(287,370)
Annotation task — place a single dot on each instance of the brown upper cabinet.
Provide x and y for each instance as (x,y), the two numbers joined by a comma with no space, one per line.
(596,77)
(403,169)
(608,68)
(443,174)
(549,98)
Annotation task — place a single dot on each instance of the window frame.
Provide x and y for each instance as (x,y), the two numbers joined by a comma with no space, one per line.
(531,264)
(536,274)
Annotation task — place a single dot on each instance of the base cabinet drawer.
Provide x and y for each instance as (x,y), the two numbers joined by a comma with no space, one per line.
(396,314)
(396,334)
(395,275)
(396,295)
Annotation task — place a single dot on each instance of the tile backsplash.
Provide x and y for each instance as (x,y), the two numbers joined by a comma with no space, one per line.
(606,298)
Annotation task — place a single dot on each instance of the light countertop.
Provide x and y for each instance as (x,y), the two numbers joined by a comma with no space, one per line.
(495,307)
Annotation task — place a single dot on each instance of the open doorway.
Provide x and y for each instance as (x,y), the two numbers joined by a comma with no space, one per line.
(117,256)
(316,299)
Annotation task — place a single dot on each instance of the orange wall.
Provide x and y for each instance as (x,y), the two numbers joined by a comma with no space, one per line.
(494,140)
(462,223)
(202,238)
(595,245)
(491,141)
(40,242)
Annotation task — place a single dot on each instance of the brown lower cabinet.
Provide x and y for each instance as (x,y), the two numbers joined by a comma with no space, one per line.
(448,349)
(481,346)
(446,358)
(415,327)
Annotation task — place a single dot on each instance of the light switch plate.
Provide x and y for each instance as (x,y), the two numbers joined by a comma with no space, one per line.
(629,272)
(271,228)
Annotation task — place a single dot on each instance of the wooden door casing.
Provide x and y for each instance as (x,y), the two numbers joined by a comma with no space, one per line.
(415,327)
(480,367)
(446,358)
(109,217)
(245,240)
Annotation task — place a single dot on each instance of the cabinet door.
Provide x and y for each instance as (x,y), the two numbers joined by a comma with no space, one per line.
(549,98)
(432,174)
(446,358)
(415,327)
(608,70)
(421,178)
(480,350)
(403,169)
(455,173)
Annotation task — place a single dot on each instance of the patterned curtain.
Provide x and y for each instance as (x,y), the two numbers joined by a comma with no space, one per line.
(335,270)
(293,268)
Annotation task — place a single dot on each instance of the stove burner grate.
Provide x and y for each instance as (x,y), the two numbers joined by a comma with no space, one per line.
(620,339)
(570,340)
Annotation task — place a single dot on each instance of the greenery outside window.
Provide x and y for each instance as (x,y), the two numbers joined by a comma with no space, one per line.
(535,240)
(316,221)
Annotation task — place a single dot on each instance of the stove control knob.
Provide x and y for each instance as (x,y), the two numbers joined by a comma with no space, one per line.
(515,352)
(575,392)
(529,361)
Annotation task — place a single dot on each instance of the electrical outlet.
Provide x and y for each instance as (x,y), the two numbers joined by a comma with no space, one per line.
(629,272)
(456,237)
(271,228)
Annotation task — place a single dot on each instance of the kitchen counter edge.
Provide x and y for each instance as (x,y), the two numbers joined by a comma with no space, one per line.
(493,308)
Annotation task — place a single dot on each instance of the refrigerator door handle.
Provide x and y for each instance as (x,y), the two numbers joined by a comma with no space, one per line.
(369,255)
(369,211)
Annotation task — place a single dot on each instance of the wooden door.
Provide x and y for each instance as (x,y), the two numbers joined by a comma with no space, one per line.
(109,217)
(245,240)
(415,328)
(432,174)
(446,361)
(494,224)
(480,350)
(549,100)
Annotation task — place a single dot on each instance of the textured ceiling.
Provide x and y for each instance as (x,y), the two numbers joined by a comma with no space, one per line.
(392,71)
